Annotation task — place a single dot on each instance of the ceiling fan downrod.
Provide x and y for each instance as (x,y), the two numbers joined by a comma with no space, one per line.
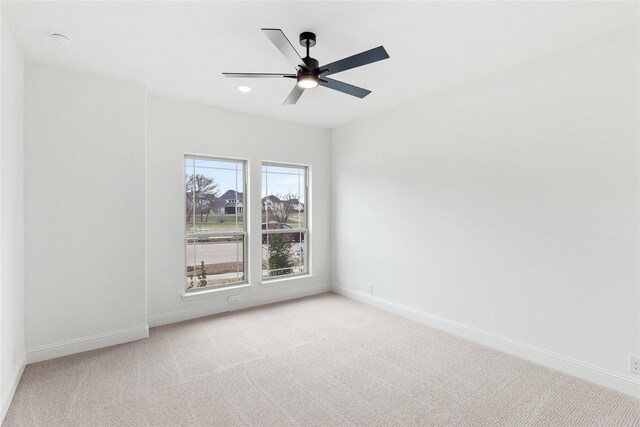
(308,40)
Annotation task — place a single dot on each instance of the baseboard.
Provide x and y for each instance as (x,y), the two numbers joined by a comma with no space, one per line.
(247,301)
(65,348)
(6,401)
(544,357)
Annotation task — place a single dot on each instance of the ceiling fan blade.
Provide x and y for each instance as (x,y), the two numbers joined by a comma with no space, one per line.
(294,95)
(357,60)
(257,75)
(285,47)
(344,87)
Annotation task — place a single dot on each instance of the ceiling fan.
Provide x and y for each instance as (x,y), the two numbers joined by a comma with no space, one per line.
(308,72)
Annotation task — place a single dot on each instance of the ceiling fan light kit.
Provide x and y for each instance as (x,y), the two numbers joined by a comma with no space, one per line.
(309,74)
(308,81)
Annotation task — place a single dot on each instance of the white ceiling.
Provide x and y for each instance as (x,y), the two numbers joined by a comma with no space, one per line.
(179,49)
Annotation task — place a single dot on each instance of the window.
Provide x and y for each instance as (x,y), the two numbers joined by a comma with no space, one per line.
(285,233)
(215,232)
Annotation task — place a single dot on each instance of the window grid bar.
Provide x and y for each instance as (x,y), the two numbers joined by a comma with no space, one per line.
(216,234)
(285,231)
(284,173)
(214,168)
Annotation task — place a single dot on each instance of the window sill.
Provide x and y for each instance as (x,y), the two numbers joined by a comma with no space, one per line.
(270,282)
(189,296)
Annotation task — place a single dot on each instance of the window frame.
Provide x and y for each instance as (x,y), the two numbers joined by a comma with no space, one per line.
(244,232)
(305,231)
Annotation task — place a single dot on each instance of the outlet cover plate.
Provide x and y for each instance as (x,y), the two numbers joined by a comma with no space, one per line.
(634,364)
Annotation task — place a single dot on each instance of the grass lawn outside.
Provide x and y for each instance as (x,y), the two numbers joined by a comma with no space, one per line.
(215,223)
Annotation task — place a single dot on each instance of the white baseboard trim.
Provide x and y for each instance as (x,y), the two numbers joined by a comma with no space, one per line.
(589,372)
(6,401)
(65,348)
(248,300)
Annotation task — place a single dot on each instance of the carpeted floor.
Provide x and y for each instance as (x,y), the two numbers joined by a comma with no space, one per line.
(323,360)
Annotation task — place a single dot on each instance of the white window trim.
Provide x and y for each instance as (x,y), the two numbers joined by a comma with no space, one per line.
(213,290)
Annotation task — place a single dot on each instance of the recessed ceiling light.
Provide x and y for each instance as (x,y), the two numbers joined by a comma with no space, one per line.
(60,38)
(244,89)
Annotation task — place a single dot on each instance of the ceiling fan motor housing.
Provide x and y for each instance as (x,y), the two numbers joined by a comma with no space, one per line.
(312,63)
(307,37)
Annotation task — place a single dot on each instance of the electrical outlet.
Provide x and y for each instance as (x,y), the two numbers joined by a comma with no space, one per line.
(234,299)
(371,288)
(634,364)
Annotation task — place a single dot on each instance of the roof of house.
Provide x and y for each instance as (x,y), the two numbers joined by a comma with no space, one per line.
(275,199)
(272,198)
(232,195)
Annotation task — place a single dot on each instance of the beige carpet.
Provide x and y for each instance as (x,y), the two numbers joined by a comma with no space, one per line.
(323,360)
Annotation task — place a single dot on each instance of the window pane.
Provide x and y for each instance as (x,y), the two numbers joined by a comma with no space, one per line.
(215,261)
(283,254)
(214,196)
(283,197)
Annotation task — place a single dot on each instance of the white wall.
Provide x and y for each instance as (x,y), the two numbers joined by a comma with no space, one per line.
(85,207)
(84,211)
(175,128)
(509,205)
(12,353)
